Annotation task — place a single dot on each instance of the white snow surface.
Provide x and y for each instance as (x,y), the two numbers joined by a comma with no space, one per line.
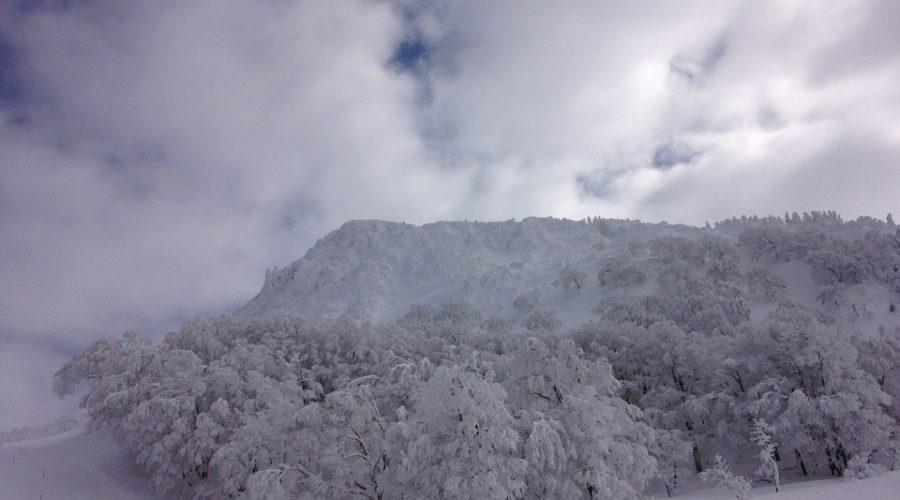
(884,487)
(74,465)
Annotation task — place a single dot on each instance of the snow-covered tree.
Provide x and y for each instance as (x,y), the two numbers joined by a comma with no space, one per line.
(672,451)
(541,320)
(525,303)
(461,440)
(764,284)
(720,473)
(803,376)
(618,273)
(584,440)
(570,278)
(879,355)
(762,436)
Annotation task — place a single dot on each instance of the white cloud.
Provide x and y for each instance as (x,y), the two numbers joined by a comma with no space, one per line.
(177,149)
(165,153)
(591,90)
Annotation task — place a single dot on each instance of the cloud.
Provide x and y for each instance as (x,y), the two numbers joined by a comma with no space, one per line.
(25,390)
(673,153)
(158,156)
(713,92)
(165,154)
(174,150)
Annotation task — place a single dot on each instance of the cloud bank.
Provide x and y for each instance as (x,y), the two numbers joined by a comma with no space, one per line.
(157,156)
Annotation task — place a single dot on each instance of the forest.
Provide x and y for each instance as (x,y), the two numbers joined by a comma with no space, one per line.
(697,356)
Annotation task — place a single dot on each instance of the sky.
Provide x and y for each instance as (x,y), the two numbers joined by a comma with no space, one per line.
(157,156)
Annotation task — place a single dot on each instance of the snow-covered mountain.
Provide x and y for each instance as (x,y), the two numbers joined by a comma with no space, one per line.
(376,270)
(504,360)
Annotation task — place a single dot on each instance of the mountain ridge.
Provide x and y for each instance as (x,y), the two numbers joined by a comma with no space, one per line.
(373,270)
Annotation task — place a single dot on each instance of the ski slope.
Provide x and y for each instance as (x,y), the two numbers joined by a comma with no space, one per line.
(884,487)
(74,465)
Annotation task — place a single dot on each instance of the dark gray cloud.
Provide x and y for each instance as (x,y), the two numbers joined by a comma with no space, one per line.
(10,86)
(159,156)
(693,68)
(673,153)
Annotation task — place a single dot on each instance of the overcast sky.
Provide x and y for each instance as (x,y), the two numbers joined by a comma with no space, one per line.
(157,156)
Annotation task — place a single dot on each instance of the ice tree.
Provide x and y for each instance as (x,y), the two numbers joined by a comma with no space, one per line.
(619,273)
(612,456)
(721,474)
(803,375)
(542,320)
(671,450)
(582,440)
(549,453)
(271,455)
(762,435)
(111,367)
(570,278)
(461,441)
(765,284)
(361,450)
(880,356)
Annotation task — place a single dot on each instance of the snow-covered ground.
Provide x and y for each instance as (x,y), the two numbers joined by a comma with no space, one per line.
(885,487)
(74,465)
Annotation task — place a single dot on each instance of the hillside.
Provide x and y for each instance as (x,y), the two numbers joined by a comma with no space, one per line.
(377,271)
(543,358)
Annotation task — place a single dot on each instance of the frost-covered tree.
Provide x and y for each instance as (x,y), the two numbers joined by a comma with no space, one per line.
(672,451)
(570,278)
(613,460)
(461,440)
(775,244)
(764,284)
(260,462)
(672,376)
(110,366)
(526,302)
(803,376)
(762,436)
(618,273)
(583,440)
(879,355)
(541,320)
(720,473)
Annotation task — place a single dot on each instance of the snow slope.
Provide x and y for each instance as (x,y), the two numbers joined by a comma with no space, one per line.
(377,270)
(74,465)
(885,487)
